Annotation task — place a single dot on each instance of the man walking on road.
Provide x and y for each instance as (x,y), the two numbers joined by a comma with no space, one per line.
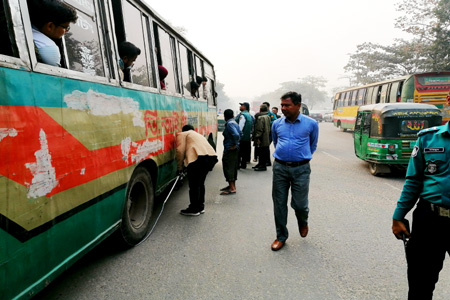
(262,138)
(244,119)
(295,138)
(427,180)
(195,152)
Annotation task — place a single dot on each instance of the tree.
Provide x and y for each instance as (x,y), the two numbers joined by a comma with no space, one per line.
(223,101)
(309,87)
(429,22)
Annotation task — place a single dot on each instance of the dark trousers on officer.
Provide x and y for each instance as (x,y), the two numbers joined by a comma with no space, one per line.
(245,149)
(426,251)
(197,172)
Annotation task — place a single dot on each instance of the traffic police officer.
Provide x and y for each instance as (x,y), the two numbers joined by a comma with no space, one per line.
(427,179)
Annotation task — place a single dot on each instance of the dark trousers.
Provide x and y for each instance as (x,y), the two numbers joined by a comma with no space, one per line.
(197,172)
(245,149)
(264,156)
(230,164)
(426,251)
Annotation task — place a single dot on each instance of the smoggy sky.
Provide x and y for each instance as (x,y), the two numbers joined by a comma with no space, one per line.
(255,45)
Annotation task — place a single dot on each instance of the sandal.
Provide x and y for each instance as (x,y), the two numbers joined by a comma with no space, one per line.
(227,188)
(226,193)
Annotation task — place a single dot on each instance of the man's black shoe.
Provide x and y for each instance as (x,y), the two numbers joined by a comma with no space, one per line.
(257,166)
(190,212)
(268,164)
(260,169)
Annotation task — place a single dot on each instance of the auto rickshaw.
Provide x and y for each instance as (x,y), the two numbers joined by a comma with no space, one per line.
(385,133)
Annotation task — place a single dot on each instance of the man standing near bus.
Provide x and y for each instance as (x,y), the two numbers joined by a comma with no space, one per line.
(427,181)
(295,138)
(244,119)
(50,20)
(195,152)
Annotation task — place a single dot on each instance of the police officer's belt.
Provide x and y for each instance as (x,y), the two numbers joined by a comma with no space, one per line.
(292,163)
(440,211)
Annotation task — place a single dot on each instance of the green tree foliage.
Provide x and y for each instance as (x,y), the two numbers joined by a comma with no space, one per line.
(429,22)
(310,87)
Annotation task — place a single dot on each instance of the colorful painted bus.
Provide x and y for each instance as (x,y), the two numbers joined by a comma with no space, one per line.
(83,153)
(429,88)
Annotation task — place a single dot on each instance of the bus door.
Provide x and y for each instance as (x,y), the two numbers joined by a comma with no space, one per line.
(361,133)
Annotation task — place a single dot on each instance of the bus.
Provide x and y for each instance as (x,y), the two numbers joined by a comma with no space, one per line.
(84,154)
(429,88)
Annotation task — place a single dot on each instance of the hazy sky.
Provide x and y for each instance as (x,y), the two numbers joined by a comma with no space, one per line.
(255,45)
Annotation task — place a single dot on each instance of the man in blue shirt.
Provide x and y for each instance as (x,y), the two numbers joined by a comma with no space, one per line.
(230,159)
(295,139)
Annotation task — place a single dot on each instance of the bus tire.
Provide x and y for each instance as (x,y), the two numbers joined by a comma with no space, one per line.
(138,208)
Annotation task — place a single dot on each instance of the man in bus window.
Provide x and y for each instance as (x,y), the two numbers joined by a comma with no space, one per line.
(50,20)
(128,53)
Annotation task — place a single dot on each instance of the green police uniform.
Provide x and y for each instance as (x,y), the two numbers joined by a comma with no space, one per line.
(427,179)
(428,175)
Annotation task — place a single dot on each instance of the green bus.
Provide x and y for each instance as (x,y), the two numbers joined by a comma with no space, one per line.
(84,153)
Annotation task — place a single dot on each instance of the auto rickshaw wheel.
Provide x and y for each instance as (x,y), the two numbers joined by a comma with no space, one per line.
(377,169)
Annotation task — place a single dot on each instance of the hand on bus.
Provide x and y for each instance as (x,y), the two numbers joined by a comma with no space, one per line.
(398,228)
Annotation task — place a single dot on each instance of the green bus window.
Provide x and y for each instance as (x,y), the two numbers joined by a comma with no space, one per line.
(135,23)
(5,37)
(82,42)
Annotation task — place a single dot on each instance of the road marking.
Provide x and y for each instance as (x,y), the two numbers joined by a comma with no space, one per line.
(395,188)
(336,158)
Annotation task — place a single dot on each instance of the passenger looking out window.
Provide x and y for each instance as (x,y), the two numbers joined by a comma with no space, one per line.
(50,20)
(128,53)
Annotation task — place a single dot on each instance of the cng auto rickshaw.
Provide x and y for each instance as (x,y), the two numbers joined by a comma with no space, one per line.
(386,133)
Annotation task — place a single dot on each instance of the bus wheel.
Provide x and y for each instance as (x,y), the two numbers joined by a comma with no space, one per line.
(377,169)
(138,208)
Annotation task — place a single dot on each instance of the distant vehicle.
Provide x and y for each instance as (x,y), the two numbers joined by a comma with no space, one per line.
(430,88)
(386,133)
(220,123)
(316,115)
(304,110)
(328,116)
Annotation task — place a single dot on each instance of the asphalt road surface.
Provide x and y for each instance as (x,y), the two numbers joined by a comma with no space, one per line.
(349,253)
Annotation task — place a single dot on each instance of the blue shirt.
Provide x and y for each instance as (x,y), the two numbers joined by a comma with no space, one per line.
(231,134)
(48,51)
(295,141)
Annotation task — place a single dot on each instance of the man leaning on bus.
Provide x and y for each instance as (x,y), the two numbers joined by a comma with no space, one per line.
(427,180)
(50,20)
(195,152)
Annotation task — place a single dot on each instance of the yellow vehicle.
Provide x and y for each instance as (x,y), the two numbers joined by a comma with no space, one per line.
(428,88)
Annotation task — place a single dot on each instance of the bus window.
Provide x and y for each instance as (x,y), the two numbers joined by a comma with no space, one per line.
(198,66)
(384,94)
(185,65)
(377,94)
(166,58)
(394,94)
(135,23)
(360,97)
(369,95)
(206,91)
(82,42)
(347,99)
(354,95)
(336,101)
(6,47)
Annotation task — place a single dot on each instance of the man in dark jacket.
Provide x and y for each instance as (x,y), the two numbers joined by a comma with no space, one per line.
(244,119)
(262,138)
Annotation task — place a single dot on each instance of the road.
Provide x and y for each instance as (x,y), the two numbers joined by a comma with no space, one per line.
(349,253)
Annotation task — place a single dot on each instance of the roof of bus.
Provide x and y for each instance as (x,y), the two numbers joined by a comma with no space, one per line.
(390,80)
(384,107)
(167,25)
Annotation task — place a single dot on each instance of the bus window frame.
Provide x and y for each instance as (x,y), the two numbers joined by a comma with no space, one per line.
(39,67)
(384,89)
(361,101)
(354,98)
